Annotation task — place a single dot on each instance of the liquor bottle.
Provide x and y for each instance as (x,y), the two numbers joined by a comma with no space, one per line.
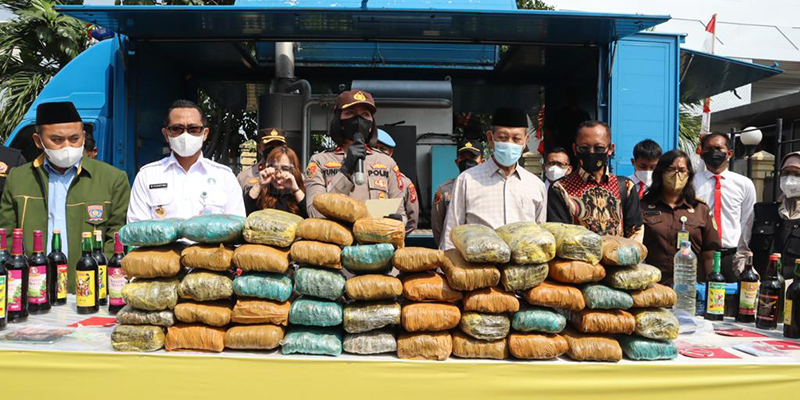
(715,292)
(3,294)
(17,267)
(791,308)
(768,296)
(58,262)
(102,268)
(748,292)
(86,282)
(38,278)
(4,254)
(782,281)
(116,278)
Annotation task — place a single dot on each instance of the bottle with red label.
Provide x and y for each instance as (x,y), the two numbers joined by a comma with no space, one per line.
(116,278)
(38,277)
(3,292)
(102,268)
(17,286)
(769,294)
(59,266)
(4,254)
(748,292)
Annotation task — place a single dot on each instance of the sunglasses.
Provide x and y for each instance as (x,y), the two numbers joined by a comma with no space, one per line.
(595,149)
(176,130)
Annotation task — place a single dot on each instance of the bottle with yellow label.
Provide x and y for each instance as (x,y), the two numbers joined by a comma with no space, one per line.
(86,275)
(102,267)
(791,310)
(715,292)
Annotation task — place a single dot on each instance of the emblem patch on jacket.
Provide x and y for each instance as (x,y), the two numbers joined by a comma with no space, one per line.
(95,213)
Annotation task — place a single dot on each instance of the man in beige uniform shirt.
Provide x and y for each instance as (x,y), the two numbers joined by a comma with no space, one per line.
(468,155)
(386,145)
(499,191)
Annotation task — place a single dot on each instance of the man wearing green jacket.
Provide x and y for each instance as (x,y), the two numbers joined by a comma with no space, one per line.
(64,190)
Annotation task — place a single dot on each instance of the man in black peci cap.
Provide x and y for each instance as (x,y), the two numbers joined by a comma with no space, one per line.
(468,154)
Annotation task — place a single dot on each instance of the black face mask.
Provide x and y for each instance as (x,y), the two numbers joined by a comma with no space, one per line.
(715,158)
(357,124)
(464,165)
(592,162)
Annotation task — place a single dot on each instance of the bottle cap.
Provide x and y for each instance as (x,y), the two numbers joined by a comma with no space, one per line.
(117,244)
(56,231)
(86,235)
(773,257)
(38,247)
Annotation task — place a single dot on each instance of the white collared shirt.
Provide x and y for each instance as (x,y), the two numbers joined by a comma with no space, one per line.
(738,199)
(163,189)
(484,195)
(635,179)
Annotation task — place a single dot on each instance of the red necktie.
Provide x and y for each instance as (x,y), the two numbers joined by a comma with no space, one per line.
(641,189)
(718,204)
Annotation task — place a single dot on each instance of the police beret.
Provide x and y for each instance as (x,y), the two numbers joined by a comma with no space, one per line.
(354,97)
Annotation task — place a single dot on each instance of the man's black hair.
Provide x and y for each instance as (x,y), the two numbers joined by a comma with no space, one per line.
(712,135)
(647,149)
(591,124)
(183,103)
(89,143)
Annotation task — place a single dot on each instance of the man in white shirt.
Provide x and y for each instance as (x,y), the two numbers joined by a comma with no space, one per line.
(185,184)
(731,197)
(499,191)
(645,157)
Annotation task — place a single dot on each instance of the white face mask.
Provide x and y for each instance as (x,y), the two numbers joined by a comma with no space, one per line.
(645,176)
(790,186)
(186,145)
(64,157)
(554,173)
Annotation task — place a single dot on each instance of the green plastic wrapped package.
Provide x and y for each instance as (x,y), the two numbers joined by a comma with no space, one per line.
(575,242)
(368,259)
(215,228)
(603,297)
(263,285)
(373,342)
(633,277)
(365,317)
(151,294)
(643,349)
(538,319)
(131,316)
(317,282)
(485,326)
(656,323)
(529,242)
(315,313)
(523,277)
(480,244)
(271,227)
(316,341)
(205,286)
(154,232)
(137,338)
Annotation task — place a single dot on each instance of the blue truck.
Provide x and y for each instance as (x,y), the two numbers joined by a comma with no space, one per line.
(425,61)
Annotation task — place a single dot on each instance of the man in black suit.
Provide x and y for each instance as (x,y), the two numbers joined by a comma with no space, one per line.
(9,158)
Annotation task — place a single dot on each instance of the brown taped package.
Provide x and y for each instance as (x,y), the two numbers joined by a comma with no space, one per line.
(324,230)
(491,300)
(195,337)
(463,275)
(430,317)
(217,313)
(657,295)
(317,254)
(602,321)
(373,287)
(417,259)
(467,347)
(340,207)
(536,346)
(429,286)
(622,251)
(380,230)
(556,295)
(207,256)
(577,272)
(254,337)
(153,262)
(253,311)
(583,347)
(424,346)
(259,257)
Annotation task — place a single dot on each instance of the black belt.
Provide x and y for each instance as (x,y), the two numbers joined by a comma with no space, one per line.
(727,252)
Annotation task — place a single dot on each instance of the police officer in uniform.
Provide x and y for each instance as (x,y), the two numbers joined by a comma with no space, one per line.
(386,145)
(354,131)
(268,139)
(470,154)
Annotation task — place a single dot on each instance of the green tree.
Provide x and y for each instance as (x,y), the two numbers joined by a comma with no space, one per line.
(34,45)
(533,5)
(689,124)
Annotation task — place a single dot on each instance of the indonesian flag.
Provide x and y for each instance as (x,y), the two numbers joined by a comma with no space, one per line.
(708,47)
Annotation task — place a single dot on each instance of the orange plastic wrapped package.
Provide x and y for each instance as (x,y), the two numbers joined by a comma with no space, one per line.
(256,311)
(153,262)
(467,347)
(537,346)
(254,337)
(340,207)
(417,259)
(576,272)
(429,286)
(373,287)
(656,295)
(491,300)
(592,347)
(324,230)
(556,295)
(217,313)
(380,230)
(317,254)
(195,337)
(259,257)
(463,275)
(430,317)
(212,257)
(622,251)
(602,321)
(424,346)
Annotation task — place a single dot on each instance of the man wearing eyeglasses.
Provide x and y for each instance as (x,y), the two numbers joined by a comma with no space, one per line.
(185,184)
(591,196)
(268,139)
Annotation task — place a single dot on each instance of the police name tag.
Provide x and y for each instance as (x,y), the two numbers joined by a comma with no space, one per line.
(158,186)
